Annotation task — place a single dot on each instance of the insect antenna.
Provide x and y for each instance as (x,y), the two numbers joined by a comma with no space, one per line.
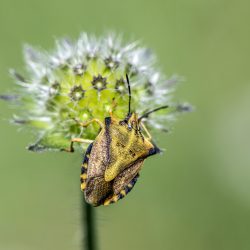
(152,111)
(129,96)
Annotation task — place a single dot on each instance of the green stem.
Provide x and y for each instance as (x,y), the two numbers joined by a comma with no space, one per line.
(89,227)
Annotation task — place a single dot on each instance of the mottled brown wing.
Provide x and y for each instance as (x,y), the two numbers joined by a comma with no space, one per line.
(97,190)
(125,177)
(98,158)
(124,183)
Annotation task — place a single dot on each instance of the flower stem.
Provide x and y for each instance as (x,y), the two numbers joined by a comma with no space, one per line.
(89,241)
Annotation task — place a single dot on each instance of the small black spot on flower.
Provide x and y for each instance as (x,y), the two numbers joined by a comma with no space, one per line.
(77,93)
(111,63)
(120,86)
(79,69)
(99,83)
(54,89)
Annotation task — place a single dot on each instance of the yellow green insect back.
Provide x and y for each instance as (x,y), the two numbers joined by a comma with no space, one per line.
(79,93)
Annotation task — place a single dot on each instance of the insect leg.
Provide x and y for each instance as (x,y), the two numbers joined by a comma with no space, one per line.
(86,124)
(146,131)
(80,140)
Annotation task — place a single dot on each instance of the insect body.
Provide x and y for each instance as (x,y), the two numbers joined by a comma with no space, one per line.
(113,160)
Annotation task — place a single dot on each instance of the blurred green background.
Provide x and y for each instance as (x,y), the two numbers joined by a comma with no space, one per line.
(197,194)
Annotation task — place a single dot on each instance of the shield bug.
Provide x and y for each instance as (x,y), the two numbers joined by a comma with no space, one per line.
(112,161)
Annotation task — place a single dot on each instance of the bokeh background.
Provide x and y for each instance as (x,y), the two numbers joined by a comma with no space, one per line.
(197,194)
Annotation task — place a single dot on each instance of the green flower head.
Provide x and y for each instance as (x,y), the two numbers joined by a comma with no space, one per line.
(81,80)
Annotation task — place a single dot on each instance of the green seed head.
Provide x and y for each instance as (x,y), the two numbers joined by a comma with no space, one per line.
(80,80)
